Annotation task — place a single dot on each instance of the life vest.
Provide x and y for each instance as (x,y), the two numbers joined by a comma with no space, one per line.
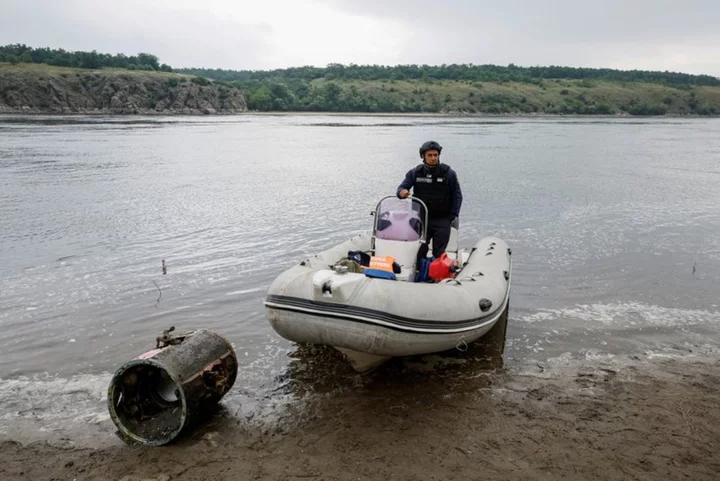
(432,187)
(382,263)
(381,267)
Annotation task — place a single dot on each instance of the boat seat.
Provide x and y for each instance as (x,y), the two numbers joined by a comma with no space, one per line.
(398,232)
(404,252)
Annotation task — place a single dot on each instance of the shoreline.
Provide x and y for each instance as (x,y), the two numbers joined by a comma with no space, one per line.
(657,420)
(347,114)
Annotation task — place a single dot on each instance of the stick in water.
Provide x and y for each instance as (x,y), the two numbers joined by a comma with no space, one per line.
(159,290)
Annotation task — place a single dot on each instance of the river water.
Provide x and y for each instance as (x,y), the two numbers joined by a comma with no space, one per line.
(614,226)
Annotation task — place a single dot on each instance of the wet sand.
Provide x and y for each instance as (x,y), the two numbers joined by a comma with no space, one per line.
(653,420)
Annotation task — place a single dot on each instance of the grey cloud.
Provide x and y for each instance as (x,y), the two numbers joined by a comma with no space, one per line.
(643,34)
(613,33)
(179,38)
(569,19)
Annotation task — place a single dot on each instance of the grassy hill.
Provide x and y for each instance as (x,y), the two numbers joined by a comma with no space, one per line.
(472,88)
(556,96)
(39,88)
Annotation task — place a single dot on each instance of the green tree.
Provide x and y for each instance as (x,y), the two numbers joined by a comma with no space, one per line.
(89,60)
(148,59)
(260,99)
(332,92)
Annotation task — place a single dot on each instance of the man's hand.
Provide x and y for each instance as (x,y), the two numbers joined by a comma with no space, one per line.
(404,193)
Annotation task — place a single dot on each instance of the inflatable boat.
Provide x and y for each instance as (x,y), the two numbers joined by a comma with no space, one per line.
(333,299)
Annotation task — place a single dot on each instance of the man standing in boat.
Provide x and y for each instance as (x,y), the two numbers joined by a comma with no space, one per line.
(437,186)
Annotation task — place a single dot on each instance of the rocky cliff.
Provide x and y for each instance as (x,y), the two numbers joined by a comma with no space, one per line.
(32,88)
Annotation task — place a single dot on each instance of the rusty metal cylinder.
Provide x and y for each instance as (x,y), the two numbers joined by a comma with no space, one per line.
(154,398)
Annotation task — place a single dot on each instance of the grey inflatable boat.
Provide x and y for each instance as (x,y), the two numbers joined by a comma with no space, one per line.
(370,320)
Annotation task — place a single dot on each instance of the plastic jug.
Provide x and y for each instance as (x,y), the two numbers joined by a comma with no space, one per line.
(443,268)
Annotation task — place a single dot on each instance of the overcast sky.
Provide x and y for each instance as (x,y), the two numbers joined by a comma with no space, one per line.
(676,35)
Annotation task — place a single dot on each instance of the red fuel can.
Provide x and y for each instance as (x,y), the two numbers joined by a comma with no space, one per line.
(442,268)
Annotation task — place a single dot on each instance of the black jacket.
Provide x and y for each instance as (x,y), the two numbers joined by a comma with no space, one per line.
(437,187)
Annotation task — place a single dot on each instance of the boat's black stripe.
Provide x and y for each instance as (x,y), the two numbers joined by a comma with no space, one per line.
(343,311)
(373,323)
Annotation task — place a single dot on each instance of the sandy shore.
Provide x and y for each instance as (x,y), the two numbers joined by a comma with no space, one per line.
(655,420)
